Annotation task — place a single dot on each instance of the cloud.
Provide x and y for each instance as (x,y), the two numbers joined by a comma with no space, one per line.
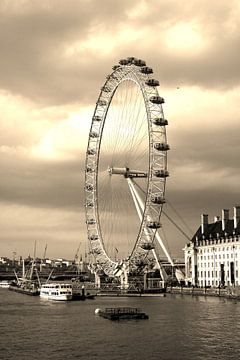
(34,39)
(41,183)
(22,225)
(52,53)
(203,128)
(54,59)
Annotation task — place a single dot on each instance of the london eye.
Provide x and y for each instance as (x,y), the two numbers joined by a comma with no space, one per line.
(126,168)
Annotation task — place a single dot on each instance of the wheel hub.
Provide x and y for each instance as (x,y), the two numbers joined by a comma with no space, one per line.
(126,172)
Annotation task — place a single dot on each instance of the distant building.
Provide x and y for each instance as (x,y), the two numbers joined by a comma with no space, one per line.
(4,260)
(212,258)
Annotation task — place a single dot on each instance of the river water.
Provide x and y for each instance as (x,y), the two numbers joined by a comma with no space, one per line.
(179,327)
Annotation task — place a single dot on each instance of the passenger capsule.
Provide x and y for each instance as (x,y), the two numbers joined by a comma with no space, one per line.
(152,82)
(91,221)
(115,67)
(157,100)
(158,200)
(89,204)
(93,237)
(160,121)
(161,146)
(105,89)
(138,62)
(97,118)
(94,134)
(89,169)
(154,224)
(147,246)
(102,102)
(97,251)
(146,70)
(124,62)
(113,77)
(131,59)
(161,173)
(91,152)
(89,187)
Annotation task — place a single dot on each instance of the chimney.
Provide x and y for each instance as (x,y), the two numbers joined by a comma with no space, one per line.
(236,216)
(216,219)
(204,222)
(225,218)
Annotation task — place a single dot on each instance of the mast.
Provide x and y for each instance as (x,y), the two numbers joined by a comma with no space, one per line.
(33,262)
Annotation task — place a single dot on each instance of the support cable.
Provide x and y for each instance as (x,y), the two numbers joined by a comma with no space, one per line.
(167,216)
(156,234)
(177,226)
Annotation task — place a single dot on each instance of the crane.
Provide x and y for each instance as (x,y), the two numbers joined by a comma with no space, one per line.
(75,260)
(44,257)
(45,251)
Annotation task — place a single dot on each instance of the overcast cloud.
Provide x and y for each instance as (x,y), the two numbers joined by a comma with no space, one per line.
(54,58)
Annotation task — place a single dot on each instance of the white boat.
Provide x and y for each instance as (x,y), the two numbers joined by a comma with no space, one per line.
(4,284)
(56,291)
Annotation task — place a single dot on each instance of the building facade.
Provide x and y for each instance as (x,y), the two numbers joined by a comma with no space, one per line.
(212,257)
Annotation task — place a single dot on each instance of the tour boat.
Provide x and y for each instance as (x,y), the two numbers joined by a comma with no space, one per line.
(4,284)
(56,291)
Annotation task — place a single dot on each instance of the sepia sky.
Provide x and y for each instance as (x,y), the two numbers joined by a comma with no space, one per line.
(54,58)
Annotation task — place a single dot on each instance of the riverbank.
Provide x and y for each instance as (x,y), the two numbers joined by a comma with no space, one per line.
(125,294)
(230,292)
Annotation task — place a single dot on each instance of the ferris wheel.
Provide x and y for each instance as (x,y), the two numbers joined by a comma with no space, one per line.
(126,168)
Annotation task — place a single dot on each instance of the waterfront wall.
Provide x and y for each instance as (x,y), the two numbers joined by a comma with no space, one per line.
(229,292)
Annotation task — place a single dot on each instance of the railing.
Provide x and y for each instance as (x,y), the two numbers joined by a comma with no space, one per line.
(123,310)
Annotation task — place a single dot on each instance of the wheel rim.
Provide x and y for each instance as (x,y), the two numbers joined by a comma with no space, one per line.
(107,123)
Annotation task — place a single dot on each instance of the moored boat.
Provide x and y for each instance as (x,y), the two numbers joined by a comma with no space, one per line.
(4,284)
(79,292)
(79,296)
(26,284)
(25,287)
(56,291)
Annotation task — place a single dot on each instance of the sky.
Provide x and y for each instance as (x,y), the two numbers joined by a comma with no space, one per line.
(55,56)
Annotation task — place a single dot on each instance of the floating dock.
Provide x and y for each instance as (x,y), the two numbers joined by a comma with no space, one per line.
(122,313)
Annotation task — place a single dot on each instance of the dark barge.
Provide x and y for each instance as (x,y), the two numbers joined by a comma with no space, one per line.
(122,313)
(27,290)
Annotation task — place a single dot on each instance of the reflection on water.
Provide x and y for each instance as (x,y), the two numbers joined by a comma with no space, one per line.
(178,328)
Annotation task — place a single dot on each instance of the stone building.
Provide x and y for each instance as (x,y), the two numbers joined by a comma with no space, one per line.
(212,257)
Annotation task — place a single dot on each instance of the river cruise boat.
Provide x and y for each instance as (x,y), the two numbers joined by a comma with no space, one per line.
(56,291)
(4,284)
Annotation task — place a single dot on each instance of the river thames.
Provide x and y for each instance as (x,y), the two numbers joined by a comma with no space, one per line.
(179,327)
